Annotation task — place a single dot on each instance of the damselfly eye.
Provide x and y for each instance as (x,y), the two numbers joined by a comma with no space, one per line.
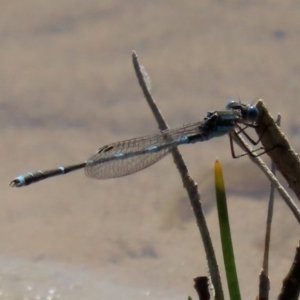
(209,115)
(233,104)
(252,113)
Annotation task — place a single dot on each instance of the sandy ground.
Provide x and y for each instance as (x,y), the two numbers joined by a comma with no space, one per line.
(67,87)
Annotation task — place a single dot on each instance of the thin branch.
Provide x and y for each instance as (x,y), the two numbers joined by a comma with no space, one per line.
(188,183)
(291,284)
(264,286)
(202,287)
(259,162)
(284,157)
(270,215)
(264,281)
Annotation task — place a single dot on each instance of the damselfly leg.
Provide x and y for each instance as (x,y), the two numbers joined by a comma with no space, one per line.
(250,116)
(234,135)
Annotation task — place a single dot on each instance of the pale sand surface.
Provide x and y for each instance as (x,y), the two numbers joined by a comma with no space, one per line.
(67,87)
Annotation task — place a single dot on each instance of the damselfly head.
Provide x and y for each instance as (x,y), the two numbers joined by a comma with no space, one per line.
(249,112)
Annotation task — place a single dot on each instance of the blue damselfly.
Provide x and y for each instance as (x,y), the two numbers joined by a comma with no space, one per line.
(130,156)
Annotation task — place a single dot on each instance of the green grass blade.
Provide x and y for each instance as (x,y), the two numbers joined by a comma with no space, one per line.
(228,255)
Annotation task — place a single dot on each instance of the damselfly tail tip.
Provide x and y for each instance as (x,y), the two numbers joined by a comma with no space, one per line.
(15,183)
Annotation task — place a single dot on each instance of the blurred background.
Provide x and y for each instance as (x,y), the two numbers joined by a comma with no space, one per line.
(67,87)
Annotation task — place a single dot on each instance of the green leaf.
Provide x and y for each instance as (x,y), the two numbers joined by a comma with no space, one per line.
(228,255)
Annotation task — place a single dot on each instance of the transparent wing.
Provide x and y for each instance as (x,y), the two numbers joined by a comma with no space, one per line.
(130,156)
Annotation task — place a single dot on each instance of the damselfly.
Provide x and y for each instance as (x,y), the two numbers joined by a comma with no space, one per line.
(130,156)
